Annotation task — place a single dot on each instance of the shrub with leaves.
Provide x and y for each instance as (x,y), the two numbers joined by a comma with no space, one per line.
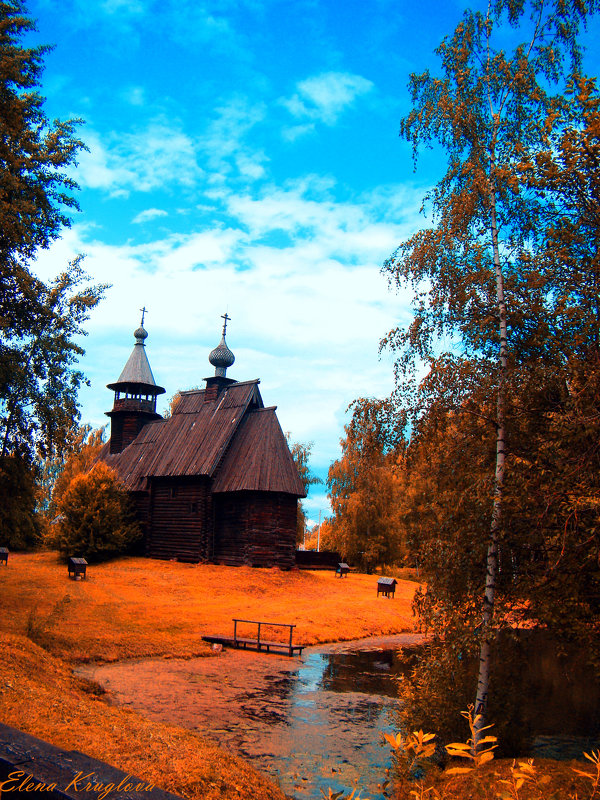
(98,521)
(473,748)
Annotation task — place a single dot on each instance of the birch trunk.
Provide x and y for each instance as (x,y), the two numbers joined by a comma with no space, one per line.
(496,521)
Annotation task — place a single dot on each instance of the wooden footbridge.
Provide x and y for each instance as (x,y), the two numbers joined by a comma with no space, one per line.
(258,643)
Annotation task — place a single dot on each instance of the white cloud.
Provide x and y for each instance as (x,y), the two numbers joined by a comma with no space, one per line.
(297,272)
(296,131)
(161,156)
(148,214)
(158,156)
(318,226)
(323,98)
(223,144)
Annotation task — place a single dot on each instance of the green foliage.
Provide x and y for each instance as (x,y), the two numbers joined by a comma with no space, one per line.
(35,187)
(39,322)
(38,375)
(411,751)
(301,454)
(20,527)
(477,750)
(57,471)
(98,521)
(594,777)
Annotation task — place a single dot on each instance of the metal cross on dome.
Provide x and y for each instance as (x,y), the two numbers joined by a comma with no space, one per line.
(227,319)
(144,310)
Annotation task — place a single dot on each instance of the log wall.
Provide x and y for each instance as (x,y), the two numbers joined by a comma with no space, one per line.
(124,428)
(180,519)
(255,528)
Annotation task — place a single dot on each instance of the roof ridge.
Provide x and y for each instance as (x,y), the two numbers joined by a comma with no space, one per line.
(244,383)
(227,388)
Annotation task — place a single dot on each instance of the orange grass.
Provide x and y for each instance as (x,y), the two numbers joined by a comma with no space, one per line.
(136,607)
(554,780)
(39,695)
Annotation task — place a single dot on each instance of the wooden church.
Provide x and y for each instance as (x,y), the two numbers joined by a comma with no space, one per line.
(215,481)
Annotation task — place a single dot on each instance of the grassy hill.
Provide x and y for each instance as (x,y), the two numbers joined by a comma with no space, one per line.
(132,608)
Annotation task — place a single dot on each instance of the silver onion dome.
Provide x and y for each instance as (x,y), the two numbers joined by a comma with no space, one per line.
(222,357)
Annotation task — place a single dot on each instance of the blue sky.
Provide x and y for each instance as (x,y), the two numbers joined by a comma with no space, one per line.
(243,156)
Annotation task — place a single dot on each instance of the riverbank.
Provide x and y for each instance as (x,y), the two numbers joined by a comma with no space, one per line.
(143,608)
(310,723)
(138,608)
(314,723)
(133,608)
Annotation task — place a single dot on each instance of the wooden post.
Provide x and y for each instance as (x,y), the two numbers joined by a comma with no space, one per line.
(291,631)
(258,638)
(235,632)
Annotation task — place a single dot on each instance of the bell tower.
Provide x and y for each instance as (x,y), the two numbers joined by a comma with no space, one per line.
(135,395)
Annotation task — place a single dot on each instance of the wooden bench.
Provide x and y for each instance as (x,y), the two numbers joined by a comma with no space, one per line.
(258,643)
(4,556)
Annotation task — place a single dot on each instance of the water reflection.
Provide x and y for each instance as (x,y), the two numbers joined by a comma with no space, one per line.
(556,713)
(340,707)
(338,712)
(317,722)
(341,702)
(371,671)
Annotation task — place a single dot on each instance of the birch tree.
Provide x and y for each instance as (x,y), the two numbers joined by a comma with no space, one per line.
(475,276)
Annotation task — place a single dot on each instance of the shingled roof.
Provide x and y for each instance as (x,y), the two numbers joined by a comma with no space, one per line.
(232,436)
(137,374)
(259,458)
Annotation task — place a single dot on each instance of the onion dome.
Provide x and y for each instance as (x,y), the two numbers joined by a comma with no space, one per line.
(222,357)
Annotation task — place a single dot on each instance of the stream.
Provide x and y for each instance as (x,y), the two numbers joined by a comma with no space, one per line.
(316,722)
(311,723)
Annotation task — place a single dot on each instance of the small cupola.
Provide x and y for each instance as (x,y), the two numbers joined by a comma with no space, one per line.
(221,358)
(135,395)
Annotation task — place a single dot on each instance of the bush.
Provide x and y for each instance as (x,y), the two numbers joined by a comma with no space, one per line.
(97,518)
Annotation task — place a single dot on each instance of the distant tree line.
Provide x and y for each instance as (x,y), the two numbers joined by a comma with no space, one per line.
(366,485)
